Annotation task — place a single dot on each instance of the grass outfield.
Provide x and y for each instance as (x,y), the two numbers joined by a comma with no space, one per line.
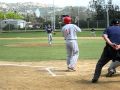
(32,48)
(43,34)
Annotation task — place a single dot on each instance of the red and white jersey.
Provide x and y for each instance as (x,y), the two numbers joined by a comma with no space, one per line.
(69,31)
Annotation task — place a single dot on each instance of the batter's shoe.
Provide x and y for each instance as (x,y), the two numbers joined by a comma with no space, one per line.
(94,80)
(71,69)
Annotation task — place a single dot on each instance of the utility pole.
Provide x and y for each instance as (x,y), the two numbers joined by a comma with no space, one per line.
(107,11)
(109,4)
(53,15)
(78,16)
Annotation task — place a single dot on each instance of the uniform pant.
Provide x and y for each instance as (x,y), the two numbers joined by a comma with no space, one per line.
(50,38)
(93,33)
(113,66)
(115,63)
(72,53)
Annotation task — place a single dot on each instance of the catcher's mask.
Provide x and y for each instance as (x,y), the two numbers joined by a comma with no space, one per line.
(67,20)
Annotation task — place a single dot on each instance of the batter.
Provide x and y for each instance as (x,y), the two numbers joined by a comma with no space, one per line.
(69,32)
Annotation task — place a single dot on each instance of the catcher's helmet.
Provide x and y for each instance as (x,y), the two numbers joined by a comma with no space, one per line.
(67,19)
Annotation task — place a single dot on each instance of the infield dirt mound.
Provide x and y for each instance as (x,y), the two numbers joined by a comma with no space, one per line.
(37,76)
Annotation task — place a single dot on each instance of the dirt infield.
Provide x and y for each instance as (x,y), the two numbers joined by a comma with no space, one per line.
(52,75)
(32,45)
(41,44)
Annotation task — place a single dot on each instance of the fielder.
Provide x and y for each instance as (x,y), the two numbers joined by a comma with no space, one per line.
(69,32)
(93,32)
(49,30)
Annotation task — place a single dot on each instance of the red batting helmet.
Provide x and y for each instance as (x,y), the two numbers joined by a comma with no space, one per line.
(67,19)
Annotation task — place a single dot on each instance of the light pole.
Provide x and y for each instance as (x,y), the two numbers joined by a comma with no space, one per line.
(108,5)
(25,16)
(53,15)
(78,16)
(107,11)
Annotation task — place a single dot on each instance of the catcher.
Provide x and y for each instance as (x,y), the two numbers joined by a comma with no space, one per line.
(113,66)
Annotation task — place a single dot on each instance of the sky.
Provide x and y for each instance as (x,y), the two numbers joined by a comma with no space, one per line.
(60,3)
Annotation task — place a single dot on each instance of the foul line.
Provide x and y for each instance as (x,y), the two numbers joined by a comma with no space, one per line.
(19,65)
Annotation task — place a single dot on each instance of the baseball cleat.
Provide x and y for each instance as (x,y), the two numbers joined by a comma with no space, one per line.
(109,74)
(71,69)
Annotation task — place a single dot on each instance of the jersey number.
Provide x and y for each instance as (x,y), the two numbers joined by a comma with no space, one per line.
(67,31)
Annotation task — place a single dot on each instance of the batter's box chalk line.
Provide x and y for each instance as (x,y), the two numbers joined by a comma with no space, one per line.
(48,69)
(52,72)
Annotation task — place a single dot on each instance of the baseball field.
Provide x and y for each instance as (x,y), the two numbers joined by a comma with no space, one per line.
(27,62)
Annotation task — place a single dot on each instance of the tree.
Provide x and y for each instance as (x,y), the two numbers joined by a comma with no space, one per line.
(1,15)
(114,12)
(98,7)
(13,15)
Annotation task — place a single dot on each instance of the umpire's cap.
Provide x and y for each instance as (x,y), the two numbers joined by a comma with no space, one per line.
(115,21)
(67,20)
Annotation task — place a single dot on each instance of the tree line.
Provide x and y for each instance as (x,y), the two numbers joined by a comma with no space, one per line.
(95,16)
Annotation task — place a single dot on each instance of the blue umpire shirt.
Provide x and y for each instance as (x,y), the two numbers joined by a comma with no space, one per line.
(113,33)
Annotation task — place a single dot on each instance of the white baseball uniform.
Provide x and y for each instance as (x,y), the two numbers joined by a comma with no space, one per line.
(69,33)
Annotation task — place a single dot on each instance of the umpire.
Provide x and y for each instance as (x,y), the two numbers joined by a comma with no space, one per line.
(112,37)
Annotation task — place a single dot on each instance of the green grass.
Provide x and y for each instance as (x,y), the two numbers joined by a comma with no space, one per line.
(23,34)
(89,49)
(44,34)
